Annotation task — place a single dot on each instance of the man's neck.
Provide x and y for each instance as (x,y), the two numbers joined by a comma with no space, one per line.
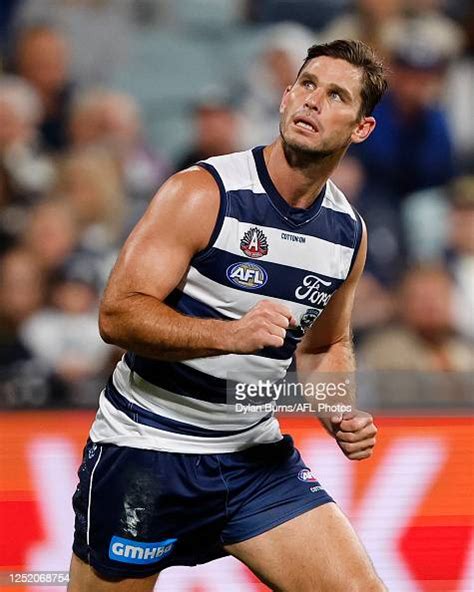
(298,183)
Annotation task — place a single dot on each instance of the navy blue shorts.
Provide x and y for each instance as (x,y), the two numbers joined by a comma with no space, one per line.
(140,511)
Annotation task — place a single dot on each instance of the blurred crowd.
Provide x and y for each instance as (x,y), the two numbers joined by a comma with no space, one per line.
(101,100)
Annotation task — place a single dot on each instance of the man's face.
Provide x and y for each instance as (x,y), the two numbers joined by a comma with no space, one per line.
(320,112)
(43,60)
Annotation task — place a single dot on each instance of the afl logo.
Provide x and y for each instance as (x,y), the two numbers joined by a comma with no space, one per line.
(254,243)
(247,275)
(307,476)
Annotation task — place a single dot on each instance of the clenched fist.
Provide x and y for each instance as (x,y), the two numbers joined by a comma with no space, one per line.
(355,433)
(264,325)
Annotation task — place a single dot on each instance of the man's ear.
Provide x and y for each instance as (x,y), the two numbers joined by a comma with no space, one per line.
(363,130)
(284,98)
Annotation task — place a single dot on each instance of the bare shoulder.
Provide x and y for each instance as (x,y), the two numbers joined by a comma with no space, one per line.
(177,224)
(194,184)
(187,204)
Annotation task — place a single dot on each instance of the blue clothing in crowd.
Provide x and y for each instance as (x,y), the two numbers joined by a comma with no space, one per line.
(406,155)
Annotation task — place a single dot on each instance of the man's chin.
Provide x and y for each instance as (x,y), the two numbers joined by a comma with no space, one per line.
(306,149)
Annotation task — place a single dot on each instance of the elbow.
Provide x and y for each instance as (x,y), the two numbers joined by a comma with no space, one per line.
(108,326)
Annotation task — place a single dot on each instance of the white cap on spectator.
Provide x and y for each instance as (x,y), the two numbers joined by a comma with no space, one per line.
(422,41)
(21,97)
(292,38)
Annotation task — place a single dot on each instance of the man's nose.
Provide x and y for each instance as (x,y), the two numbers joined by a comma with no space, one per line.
(314,100)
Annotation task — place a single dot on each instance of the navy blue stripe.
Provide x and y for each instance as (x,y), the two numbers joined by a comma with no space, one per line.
(178,378)
(285,352)
(294,216)
(329,225)
(146,417)
(222,209)
(195,308)
(358,238)
(282,280)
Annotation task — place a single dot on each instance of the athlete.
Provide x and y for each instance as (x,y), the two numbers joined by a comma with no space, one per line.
(234,258)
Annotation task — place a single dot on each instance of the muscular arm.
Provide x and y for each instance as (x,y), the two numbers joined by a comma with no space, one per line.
(177,225)
(154,259)
(327,347)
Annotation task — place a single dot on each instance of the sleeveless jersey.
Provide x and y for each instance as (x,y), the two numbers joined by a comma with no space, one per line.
(260,248)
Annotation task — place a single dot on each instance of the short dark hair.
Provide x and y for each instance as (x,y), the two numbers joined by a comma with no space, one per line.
(357,53)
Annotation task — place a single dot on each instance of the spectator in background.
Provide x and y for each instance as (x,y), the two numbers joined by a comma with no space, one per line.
(112,121)
(439,224)
(374,306)
(8,9)
(22,286)
(439,27)
(89,182)
(308,12)
(421,345)
(425,216)
(385,253)
(42,58)
(98,32)
(216,128)
(370,21)
(23,380)
(460,96)
(461,253)
(275,68)
(50,234)
(64,336)
(29,172)
(411,147)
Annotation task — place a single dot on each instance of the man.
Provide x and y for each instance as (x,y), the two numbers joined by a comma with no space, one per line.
(41,57)
(232,257)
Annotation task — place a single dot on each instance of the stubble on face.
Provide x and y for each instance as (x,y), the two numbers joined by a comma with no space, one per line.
(301,156)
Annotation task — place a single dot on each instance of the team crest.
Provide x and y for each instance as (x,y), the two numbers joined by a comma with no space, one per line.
(254,243)
(308,318)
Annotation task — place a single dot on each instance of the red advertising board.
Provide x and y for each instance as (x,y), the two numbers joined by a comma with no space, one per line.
(412,503)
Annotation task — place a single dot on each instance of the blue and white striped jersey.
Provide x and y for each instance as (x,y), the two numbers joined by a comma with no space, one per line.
(261,248)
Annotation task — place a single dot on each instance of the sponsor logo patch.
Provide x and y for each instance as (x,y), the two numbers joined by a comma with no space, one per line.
(294,238)
(254,243)
(247,275)
(314,290)
(128,551)
(307,476)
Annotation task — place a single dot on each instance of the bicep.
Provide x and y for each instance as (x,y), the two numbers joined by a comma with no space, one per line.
(176,226)
(334,324)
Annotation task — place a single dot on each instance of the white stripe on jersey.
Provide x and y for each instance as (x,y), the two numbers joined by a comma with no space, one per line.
(241,367)
(335,200)
(317,255)
(111,426)
(238,172)
(210,416)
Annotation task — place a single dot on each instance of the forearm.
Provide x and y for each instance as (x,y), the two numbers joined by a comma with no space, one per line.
(148,327)
(334,364)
